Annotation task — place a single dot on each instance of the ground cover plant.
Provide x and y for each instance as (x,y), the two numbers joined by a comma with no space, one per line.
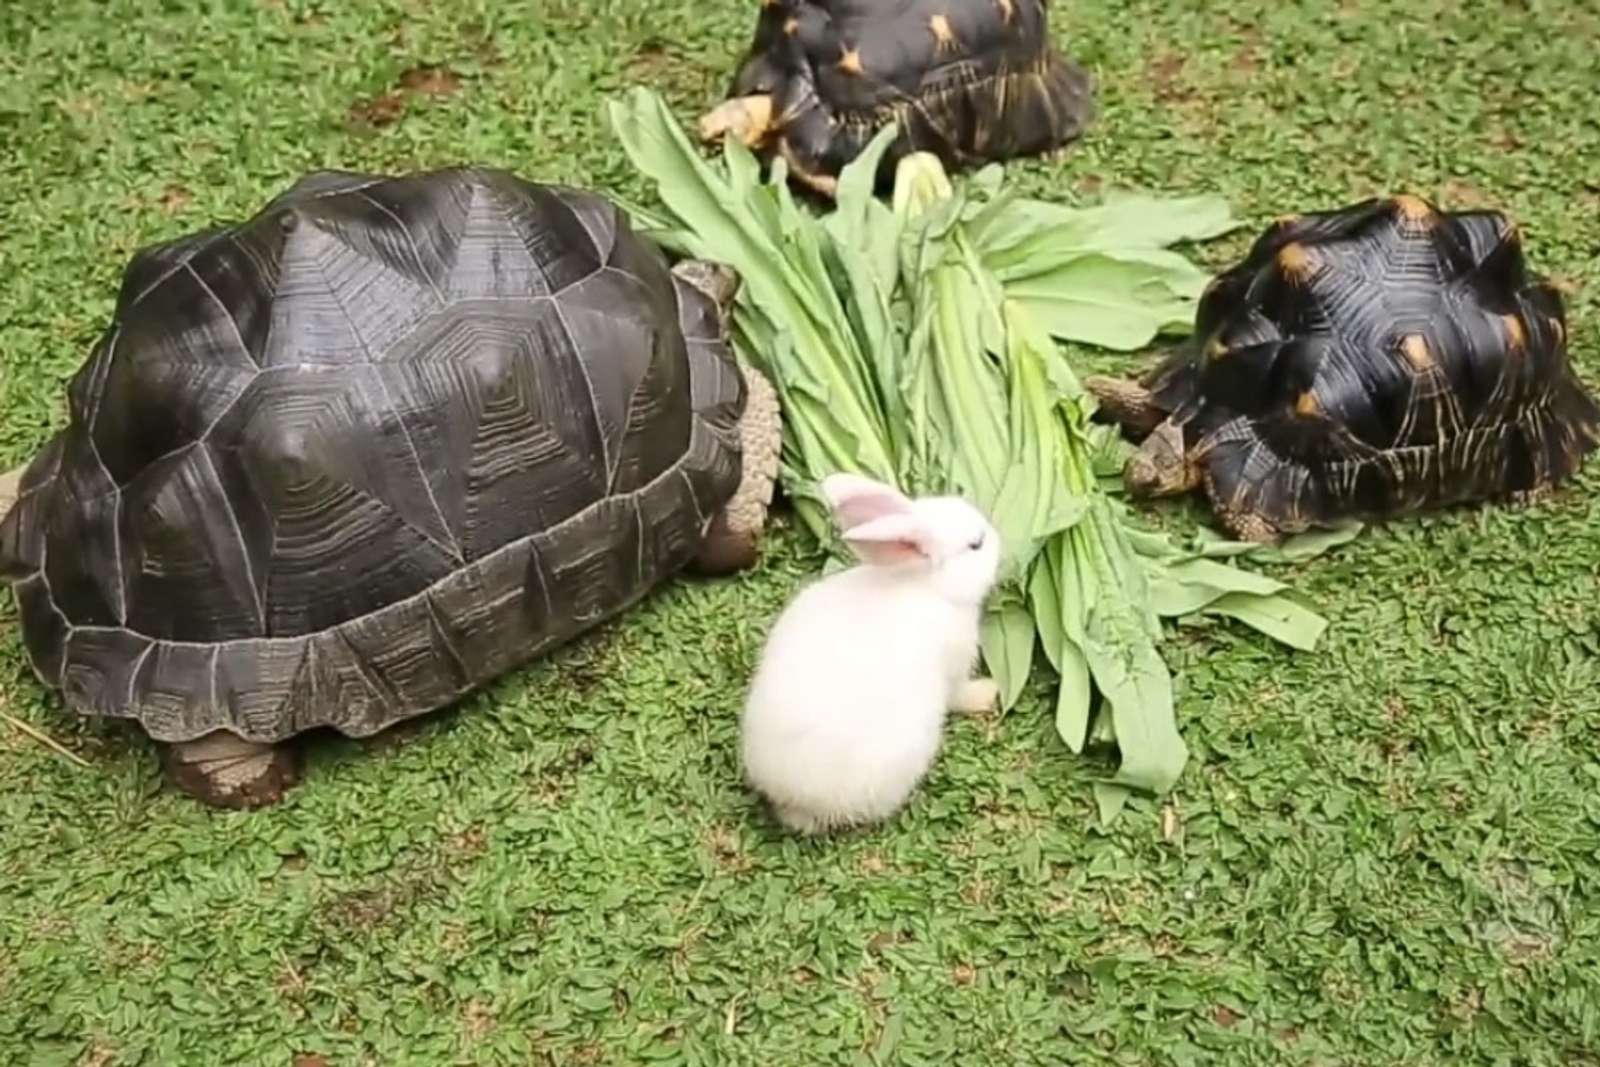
(1384,851)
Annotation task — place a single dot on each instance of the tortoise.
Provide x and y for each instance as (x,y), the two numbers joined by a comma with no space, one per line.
(341,463)
(1364,362)
(971,81)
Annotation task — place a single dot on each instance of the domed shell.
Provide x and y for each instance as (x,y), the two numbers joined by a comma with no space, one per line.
(970,80)
(343,462)
(1378,359)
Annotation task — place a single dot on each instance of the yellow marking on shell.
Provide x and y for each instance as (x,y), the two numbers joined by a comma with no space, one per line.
(791,27)
(1296,261)
(850,62)
(1516,334)
(1415,349)
(944,37)
(1413,210)
(1216,348)
(1008,10)
(1306,405)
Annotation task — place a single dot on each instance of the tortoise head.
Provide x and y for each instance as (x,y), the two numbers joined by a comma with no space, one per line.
(748,119)
(1160,466)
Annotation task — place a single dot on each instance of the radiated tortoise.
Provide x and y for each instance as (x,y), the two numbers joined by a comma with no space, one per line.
(969,80)
(1365,362)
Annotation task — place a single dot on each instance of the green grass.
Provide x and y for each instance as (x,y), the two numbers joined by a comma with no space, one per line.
(1386,852)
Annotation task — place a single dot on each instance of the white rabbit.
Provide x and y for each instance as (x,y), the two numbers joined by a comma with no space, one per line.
(847,707)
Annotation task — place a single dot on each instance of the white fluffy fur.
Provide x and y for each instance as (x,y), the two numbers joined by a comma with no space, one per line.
(845,714)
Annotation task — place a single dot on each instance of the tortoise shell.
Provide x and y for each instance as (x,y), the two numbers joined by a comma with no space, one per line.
(343,462)
(1370,361)
(969,80)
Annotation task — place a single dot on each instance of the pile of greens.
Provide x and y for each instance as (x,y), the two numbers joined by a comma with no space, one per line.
(917,342)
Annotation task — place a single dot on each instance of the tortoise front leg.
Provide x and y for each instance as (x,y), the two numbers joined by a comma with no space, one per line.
(1242,520)
(1128,403)
(1249,526)
(225,771)
(733,540)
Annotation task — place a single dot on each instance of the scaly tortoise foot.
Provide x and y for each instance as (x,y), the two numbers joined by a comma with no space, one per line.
(225,771)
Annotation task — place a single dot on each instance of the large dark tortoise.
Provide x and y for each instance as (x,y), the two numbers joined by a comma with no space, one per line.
(1366,362)
(971,81)
(339,464)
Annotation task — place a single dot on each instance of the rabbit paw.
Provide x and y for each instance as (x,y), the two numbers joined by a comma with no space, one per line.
(976,696)
(800,821)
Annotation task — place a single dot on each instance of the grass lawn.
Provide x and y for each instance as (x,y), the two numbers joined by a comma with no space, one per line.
(1385,852)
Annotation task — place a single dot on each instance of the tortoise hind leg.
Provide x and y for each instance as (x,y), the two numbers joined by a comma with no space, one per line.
(1527,498)
(226,771)
(10,489)
(1049,107)
(734,537)
(1556,445)
(219,769)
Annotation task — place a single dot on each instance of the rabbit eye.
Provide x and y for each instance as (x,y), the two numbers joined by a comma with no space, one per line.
(976,543)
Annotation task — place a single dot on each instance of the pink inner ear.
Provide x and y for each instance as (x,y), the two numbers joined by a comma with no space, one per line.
(890,540)
(856,500)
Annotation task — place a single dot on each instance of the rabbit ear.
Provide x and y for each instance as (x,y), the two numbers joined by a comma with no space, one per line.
(891,540)
(856,500)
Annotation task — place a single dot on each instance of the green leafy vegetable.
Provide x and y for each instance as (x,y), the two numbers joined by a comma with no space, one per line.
(918,342)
